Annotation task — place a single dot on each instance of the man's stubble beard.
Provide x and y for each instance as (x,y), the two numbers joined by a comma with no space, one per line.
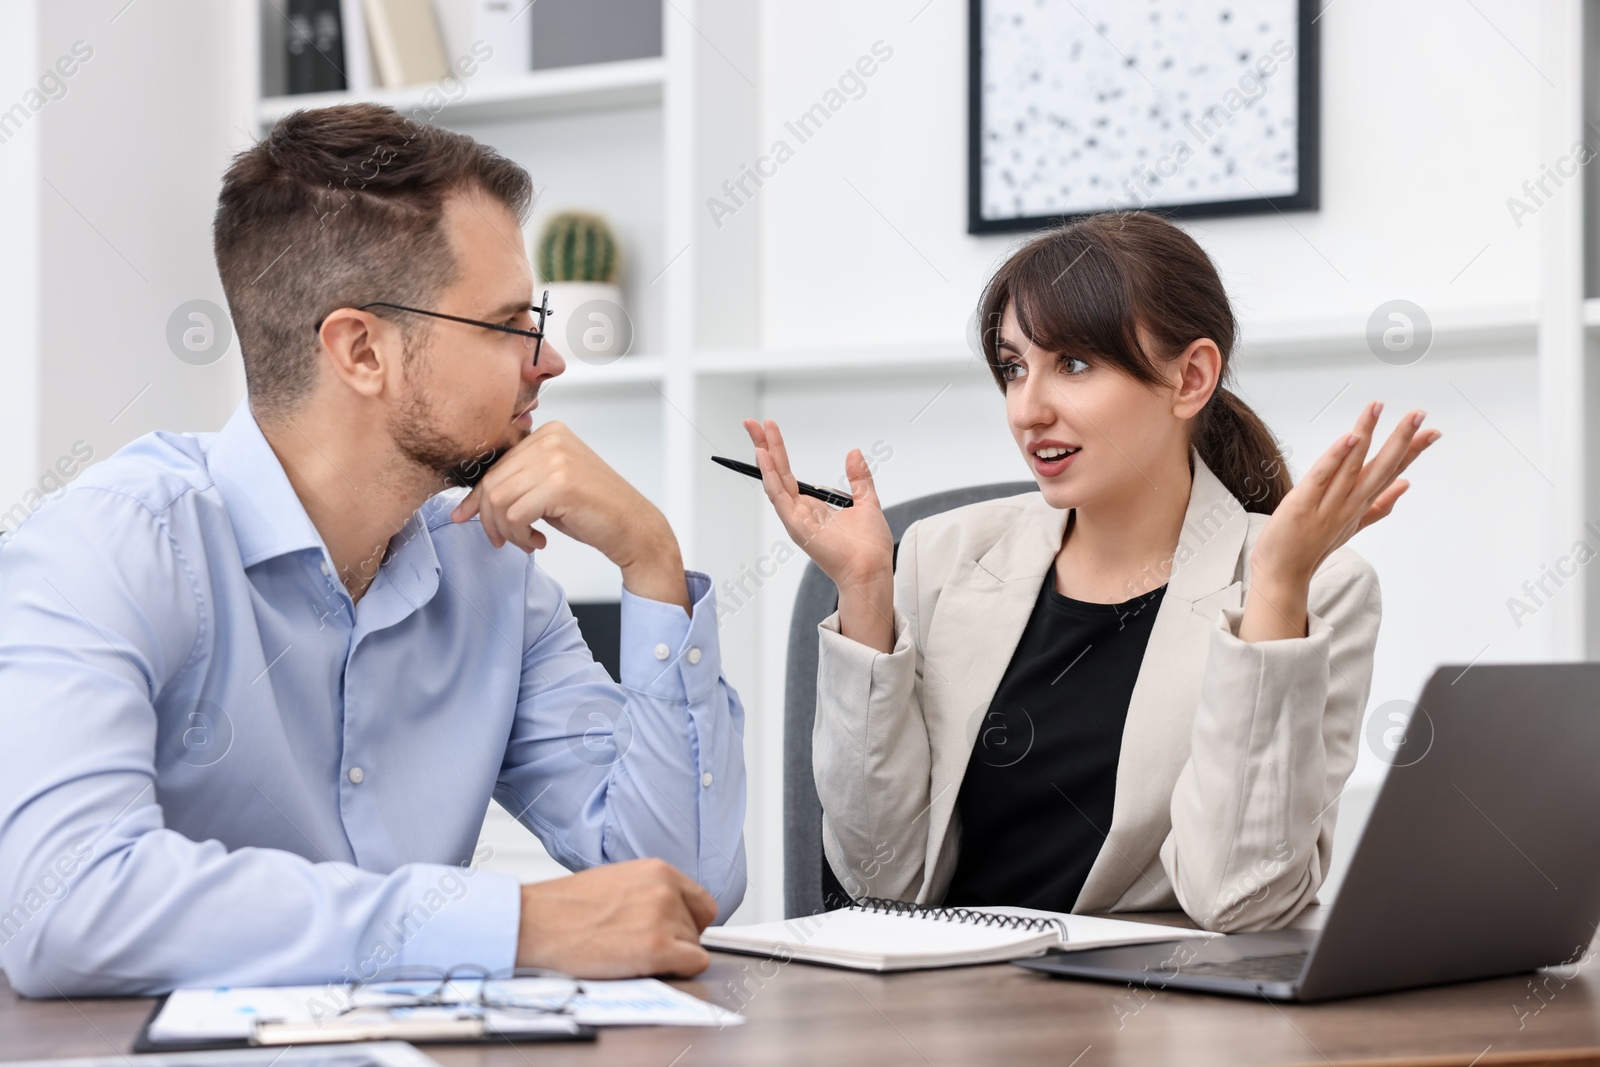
(414,430)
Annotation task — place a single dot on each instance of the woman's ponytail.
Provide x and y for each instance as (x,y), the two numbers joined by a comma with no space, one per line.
(1241,452)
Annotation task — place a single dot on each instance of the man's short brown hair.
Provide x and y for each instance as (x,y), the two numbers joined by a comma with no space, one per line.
(339,207)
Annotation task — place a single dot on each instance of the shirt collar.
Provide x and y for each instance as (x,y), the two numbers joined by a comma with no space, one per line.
(408,577)
(269,520)
(267,516)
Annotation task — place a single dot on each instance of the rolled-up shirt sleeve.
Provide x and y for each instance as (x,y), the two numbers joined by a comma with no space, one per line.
(653,766)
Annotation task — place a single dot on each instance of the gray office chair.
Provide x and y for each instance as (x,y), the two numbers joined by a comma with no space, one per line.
(809,885)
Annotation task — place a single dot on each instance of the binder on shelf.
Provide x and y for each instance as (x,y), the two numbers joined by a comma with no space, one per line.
(568,33)
(406,46)
(314,47)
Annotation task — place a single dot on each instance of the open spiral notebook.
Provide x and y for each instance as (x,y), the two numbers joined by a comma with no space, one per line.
(892,935)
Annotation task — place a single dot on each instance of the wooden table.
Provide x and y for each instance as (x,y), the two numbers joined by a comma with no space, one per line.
(799,1014)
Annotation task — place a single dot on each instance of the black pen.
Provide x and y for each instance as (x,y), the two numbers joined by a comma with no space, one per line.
(827,496)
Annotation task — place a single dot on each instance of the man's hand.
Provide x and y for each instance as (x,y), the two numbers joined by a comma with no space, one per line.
(554,476)
(624,920)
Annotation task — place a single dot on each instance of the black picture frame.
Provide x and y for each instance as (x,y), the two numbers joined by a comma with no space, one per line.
(1307,197)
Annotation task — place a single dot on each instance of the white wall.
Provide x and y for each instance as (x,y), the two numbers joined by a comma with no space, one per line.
(1426,129)
(19,257)
(130,164)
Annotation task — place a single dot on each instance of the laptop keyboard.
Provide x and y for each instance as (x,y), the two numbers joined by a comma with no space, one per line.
(1284,968)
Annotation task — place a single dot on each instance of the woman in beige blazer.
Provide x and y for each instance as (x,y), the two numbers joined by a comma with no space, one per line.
(1110,340)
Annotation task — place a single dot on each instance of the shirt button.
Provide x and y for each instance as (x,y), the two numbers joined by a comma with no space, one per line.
(662,651)
(705,779)
(694,657)
(325,570)
(356,775)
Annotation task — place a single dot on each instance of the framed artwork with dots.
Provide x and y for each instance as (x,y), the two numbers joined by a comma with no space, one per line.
(1193,108)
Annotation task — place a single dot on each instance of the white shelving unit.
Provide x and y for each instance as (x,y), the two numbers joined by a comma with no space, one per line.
(595,87)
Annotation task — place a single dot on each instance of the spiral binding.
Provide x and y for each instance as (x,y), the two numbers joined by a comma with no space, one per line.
(880,906)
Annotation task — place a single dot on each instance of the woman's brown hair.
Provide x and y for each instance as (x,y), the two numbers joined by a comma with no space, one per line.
(1087,288)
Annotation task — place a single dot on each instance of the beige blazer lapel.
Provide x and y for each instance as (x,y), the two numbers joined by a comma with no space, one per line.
(983,608)
(1206,575)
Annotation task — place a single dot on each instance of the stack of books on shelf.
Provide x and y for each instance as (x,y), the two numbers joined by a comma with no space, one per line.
(360,45)
(318,46)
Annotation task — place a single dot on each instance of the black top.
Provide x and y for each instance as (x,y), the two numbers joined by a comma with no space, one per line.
(1036,801)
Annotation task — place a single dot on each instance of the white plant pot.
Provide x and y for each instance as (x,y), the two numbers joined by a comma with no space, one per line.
(588,322)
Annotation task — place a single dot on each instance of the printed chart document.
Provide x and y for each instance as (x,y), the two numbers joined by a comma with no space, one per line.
(891,936)
(305,1014)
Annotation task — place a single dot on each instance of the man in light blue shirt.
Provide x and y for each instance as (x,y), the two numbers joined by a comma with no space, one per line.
(258,687)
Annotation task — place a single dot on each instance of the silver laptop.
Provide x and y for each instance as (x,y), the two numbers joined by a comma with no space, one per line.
(1481,857)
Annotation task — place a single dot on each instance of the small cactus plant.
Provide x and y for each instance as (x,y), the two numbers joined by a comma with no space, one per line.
(578,246)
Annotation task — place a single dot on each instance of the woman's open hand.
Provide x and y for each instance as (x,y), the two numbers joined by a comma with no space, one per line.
(853,545)
(850,544)
(1341,494)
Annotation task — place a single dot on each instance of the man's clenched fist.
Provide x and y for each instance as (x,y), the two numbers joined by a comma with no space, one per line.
(624,920)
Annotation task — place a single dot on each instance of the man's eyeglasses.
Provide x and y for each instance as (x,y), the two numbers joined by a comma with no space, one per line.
(535,335)
(468,988)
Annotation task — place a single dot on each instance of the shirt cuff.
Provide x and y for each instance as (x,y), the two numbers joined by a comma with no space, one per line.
(454,916)
(666,653)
